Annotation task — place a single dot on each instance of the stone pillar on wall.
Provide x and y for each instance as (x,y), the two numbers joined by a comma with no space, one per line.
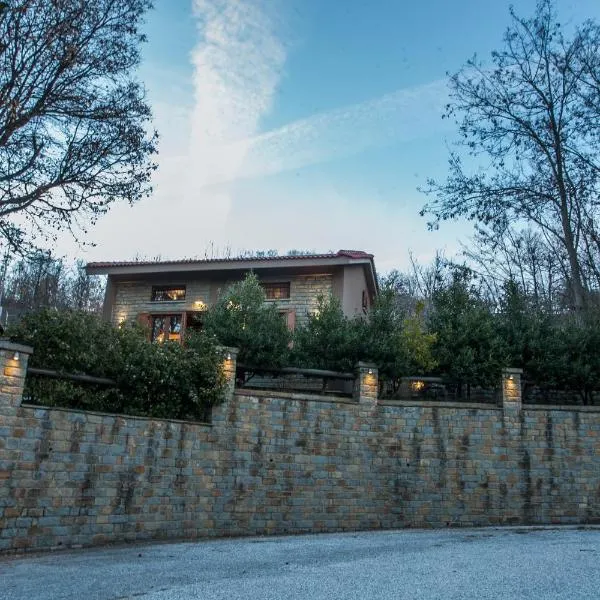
(13,369)
(366,384)
(511,390)
(220,411)
(229,368)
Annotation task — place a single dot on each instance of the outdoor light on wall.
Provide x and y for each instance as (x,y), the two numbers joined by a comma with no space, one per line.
(417,386)
(228,357)
(16,356)
(511,377)
(370,371)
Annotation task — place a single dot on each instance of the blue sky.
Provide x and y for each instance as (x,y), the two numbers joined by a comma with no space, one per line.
(302,124)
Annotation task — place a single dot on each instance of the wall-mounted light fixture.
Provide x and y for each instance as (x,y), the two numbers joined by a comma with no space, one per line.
(16,356)
(228,357)
(417,386)
(370,371)
(511,377)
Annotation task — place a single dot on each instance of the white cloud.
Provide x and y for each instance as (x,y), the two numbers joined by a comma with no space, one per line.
(400,116)
(210,139)
(237,65)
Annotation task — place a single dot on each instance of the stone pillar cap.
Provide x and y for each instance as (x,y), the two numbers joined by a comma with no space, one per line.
(513,370)
(14,347)
(228,348)
(365,365)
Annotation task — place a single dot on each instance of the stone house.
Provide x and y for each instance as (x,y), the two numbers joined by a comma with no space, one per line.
(171,296)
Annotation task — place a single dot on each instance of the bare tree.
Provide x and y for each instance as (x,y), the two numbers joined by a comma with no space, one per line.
(42,281)
(73,120)
(534,116)
(519,255)
(417,285)
(86,292)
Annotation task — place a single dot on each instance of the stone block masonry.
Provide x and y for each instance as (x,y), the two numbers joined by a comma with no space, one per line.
(134,298)
(290,464)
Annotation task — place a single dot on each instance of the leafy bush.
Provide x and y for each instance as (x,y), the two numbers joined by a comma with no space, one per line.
(159,380)
(396,342)
(467,347)
(565,355)
(242,319)
(395,339)
(329,340)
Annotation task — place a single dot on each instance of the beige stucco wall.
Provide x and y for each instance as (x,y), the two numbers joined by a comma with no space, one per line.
(352,289)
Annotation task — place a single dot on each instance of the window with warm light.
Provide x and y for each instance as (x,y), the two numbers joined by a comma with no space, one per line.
(166,293)
(277,291)
(166,328)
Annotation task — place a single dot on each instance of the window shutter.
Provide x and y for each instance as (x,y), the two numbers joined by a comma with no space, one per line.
(291,320)
(144,320)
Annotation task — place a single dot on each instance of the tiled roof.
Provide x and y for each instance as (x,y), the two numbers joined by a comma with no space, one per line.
(339,254)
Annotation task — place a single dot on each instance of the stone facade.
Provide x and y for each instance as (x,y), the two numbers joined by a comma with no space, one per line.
(271,463)
(13,369)
(304,293)
(133,298)
(366,383)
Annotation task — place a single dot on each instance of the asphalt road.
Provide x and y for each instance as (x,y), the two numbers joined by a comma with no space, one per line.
(503,564)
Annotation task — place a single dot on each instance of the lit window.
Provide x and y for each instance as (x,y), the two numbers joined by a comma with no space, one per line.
(165,293)
(166,328)
(277,291)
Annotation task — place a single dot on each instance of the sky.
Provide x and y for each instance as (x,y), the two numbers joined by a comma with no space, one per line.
(301,124)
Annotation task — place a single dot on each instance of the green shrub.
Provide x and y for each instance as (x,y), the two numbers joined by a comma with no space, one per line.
(396,342)
(329,340)
(467,348)
(159,380)
(241,318)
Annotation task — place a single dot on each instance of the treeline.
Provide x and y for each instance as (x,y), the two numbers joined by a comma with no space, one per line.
(43,281)
(437,321)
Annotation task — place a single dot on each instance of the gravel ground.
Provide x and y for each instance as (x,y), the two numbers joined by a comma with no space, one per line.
(548,564)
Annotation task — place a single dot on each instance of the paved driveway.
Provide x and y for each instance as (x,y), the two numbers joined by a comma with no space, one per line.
(451,564)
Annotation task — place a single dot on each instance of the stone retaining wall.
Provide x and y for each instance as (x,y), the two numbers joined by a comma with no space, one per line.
(273,464)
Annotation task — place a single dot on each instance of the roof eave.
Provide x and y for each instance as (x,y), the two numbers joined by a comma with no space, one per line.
(211,267)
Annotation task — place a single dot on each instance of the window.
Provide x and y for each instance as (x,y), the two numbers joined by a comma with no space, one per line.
(172,327)
(166,327)
(365,301)
(168,293)
(277,291)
